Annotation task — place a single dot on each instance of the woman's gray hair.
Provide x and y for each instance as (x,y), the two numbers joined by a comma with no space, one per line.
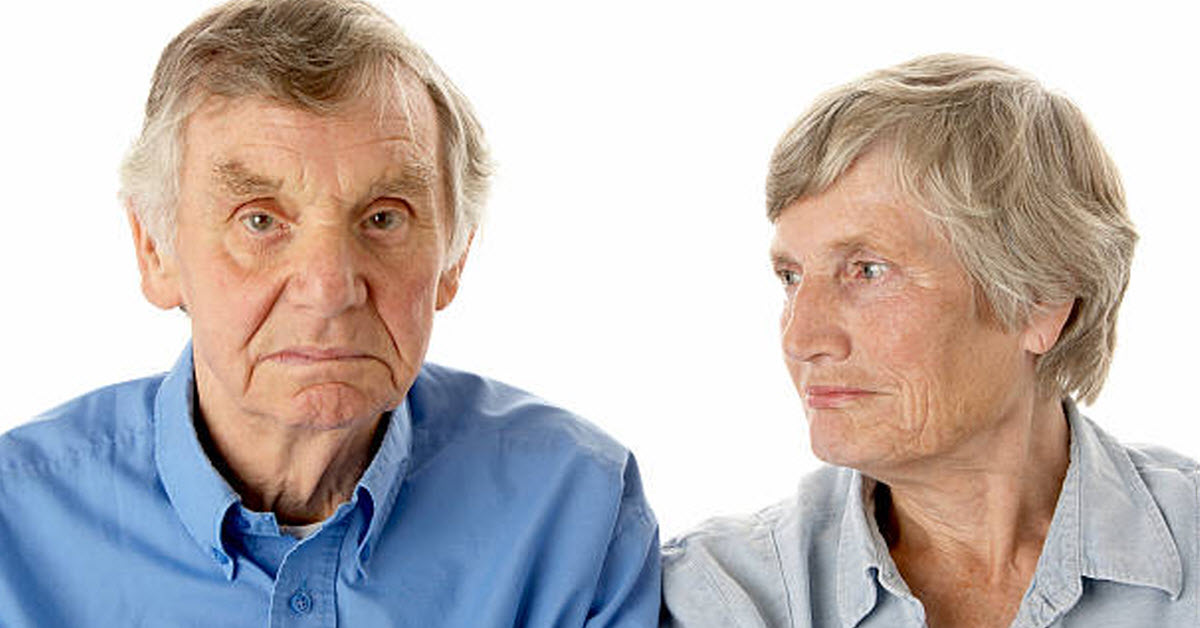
(1028,198)
(315,55)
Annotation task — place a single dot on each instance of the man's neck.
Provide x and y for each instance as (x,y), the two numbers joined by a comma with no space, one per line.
(298,473)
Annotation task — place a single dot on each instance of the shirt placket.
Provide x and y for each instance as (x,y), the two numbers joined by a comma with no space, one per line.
(304,591)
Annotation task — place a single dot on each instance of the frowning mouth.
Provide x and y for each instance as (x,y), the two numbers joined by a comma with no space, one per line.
(314,355)
(825,397)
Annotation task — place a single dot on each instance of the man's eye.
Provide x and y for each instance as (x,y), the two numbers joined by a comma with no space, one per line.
(259,222)
(870,270)
(384,219)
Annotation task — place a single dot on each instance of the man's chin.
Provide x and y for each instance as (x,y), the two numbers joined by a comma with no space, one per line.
(335,405)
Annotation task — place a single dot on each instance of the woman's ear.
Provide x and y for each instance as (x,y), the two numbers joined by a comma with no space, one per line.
(1045,326)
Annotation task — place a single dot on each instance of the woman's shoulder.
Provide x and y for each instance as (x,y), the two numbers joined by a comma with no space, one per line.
(737,570)
(1173,481)
(819,501)
(1172,478)
(1156,458)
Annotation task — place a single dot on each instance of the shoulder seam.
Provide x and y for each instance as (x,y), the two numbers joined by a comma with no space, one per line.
(73,455)
(726,604)
(787,589)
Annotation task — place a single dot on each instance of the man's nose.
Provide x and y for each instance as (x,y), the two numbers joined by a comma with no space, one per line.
(326,273)
(812,326)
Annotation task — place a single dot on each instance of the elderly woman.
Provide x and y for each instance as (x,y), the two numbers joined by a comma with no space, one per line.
(953,245)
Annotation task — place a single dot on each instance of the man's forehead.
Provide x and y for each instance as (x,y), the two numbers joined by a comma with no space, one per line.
(396,101)
(239,142)
(403,114)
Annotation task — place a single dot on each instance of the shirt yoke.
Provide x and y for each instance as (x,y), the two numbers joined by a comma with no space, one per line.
(84,429)
(451,406)
(740,560)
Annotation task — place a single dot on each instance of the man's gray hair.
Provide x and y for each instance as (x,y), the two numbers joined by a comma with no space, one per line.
(315,55)
(1027,196)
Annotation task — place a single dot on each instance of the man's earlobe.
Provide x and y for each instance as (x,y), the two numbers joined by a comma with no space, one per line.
(1046,325)
(160,279)
(448,281)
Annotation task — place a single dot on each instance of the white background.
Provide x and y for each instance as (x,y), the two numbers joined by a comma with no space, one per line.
(623,271)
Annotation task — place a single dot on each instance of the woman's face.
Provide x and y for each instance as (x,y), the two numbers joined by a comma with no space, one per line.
(890,349)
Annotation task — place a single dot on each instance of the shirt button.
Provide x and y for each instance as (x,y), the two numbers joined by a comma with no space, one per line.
(301,603)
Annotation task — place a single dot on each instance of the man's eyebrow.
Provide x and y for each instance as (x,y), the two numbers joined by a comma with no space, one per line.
(235,178)
(414,178)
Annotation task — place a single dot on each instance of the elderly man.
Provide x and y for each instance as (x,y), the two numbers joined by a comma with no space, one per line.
(305,187)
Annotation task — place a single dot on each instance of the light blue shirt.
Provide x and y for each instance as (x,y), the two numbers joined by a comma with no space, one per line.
(483,506)
(1123,551)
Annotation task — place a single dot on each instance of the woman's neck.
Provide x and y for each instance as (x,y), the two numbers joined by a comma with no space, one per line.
(975,521)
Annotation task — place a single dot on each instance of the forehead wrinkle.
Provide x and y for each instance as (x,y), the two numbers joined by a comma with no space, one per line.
(875,223)
(407,109)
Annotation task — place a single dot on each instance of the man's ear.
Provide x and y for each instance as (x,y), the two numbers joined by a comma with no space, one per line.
(1045,325)
(448,281)
(160,277)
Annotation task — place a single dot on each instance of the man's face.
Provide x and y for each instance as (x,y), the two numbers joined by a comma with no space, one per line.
(309,254)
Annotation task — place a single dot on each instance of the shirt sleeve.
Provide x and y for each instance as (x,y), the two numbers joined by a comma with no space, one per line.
(629,590)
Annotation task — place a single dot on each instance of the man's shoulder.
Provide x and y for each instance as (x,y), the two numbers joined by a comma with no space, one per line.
(82,429)
(479,439)
(452,405)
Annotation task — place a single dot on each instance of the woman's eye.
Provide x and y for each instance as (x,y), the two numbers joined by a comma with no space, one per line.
(259,222)
(384,220)
(788,277)
(870,270)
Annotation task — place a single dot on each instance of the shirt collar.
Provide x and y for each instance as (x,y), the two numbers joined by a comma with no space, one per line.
(203,498)
(197,491)
(1106,526)
(380,484)
(863,557)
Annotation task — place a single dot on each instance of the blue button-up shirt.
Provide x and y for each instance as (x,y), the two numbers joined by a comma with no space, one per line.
(1122,551)
(483,506)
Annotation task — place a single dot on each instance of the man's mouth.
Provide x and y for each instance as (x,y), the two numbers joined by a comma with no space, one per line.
(313,355)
